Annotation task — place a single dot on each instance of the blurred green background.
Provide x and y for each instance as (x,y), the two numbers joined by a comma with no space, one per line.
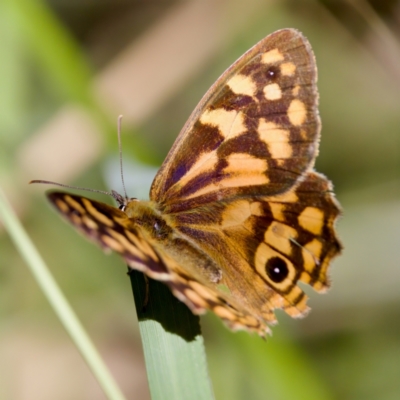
(69,68)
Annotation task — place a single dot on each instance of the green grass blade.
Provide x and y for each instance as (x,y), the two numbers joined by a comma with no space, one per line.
(57,300)
(172,342)
(53,48)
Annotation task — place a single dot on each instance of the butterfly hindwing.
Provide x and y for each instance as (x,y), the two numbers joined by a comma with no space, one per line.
(266,246)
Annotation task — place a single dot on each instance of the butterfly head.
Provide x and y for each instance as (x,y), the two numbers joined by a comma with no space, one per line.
(122,201)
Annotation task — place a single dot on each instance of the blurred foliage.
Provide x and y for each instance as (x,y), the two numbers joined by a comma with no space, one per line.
(349,346)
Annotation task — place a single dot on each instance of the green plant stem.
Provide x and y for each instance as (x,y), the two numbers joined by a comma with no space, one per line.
(57,300)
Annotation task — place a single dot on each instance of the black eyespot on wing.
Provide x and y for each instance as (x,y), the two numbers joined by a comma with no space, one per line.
(276,269)
(272,74)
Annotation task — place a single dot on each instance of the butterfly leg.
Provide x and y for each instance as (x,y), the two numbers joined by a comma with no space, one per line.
(146,293)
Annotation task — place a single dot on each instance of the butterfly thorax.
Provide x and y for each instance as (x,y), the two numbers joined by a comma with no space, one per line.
(160,230)
(146,215)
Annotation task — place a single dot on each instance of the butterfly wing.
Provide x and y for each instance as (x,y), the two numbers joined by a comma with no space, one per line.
(238,183)
(266,246)
(113,230)
(256,130)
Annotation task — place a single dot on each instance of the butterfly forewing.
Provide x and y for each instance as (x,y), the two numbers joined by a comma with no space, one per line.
(111,229)
(255,132)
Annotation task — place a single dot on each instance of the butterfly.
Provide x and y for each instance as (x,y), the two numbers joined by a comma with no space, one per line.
(237,216)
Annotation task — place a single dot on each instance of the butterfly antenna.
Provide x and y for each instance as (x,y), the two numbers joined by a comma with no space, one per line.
(122,201)
(71,187)
(120,155)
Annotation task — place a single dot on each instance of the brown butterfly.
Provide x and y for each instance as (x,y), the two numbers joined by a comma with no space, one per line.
(237,216)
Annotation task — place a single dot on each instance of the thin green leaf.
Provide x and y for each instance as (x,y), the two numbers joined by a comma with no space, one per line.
(57,300)
(172,342)
(53,48)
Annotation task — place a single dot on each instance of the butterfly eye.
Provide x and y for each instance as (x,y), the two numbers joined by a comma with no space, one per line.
(276,269)
(122,207)
(158,229)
